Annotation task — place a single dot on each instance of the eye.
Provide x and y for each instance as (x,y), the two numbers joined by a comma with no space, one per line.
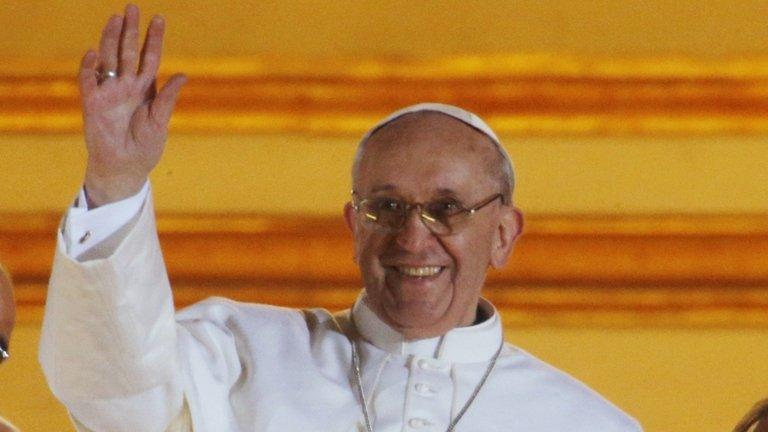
(386,205)
(444,208)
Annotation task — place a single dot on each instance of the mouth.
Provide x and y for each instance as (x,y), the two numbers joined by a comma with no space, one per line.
(421,272)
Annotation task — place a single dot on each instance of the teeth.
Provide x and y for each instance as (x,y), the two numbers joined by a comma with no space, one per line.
(419,271)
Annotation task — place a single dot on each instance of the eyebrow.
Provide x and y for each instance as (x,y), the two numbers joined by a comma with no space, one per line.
(447,191)
(384,187)
(390,187)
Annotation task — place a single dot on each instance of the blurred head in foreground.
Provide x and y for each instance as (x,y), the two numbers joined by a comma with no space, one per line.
(756,419)
(7,312)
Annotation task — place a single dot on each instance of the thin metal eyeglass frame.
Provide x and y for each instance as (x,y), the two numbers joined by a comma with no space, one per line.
(426,218)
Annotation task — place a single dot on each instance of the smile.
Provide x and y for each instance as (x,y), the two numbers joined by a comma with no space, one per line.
(425,271)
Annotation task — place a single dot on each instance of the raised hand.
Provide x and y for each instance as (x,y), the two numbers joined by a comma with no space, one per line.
(125,118)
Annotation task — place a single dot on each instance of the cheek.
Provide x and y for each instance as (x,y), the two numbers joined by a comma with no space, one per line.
(368,248)
(471,254)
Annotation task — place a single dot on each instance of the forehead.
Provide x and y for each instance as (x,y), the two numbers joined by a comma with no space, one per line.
(431,149)
(429,127)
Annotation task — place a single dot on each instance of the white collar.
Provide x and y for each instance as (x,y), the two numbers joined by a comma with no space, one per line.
(476,343)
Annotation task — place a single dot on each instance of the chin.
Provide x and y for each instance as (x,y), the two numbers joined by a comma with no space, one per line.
(416,309)
(417,321)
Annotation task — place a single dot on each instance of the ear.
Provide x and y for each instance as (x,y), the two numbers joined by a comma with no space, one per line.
(350,217)
(509,229)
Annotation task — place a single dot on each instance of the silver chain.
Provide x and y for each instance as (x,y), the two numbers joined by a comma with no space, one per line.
(452,425)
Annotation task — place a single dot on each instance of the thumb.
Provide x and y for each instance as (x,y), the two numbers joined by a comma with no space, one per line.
(162,106)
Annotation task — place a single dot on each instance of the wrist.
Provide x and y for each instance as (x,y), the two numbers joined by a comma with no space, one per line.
(100,192)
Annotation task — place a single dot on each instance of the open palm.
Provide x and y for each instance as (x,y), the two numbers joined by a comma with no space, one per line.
(125,118)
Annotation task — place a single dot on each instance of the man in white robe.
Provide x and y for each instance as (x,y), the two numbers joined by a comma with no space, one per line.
(420,350)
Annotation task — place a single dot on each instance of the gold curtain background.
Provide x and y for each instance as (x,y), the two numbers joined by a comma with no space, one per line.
(638,130)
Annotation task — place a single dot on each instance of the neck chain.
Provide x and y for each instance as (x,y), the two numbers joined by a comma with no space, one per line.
(454,421)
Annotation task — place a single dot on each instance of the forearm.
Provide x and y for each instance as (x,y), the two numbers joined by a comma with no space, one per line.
(108,347)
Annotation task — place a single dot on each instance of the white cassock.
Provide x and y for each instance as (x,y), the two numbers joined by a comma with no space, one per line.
(115,353)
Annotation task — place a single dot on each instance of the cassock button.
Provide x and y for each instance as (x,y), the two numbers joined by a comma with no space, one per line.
(429,364)
(424,390)
(418,423)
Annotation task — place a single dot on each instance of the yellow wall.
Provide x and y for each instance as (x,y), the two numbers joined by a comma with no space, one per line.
(716,28)
(26,400)
(310,175)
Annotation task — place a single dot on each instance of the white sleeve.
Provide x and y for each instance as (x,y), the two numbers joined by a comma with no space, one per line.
(109,340)
(182,423)
(83,228)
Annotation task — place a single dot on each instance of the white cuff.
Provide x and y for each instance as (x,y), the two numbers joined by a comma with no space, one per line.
(83,229)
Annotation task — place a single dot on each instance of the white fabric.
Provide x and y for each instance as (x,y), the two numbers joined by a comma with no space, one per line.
(98,223)
(115,354)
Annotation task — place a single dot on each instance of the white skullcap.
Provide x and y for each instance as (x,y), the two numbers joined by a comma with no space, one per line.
(460,114)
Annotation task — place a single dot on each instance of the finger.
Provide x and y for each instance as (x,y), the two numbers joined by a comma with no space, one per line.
(129,40)
(87,76)
(110,40)
(162,107)
(152,49)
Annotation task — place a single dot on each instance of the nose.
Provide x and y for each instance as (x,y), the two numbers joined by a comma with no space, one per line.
(414,234)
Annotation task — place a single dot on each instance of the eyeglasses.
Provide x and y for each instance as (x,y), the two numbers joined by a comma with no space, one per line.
(442,216)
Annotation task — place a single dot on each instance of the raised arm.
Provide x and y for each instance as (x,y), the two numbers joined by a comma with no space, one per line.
(125,117)
(109,342)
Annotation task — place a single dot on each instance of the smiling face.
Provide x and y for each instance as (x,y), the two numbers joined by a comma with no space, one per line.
(421,284)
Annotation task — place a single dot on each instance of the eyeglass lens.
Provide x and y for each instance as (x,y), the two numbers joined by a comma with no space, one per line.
(440,216)
(392,213)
